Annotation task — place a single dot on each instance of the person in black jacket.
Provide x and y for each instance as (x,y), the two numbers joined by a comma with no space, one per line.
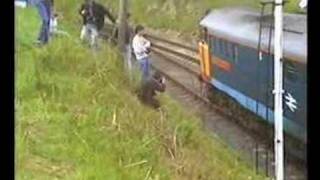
(149,89)
(100,12)
(93,15)
(89,25)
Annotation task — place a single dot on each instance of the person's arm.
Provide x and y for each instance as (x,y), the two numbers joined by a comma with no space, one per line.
(109,15)
(145,44)
(82,10)
(104,11)
(160,85)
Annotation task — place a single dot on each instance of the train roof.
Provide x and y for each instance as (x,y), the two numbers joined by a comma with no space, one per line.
(242,25)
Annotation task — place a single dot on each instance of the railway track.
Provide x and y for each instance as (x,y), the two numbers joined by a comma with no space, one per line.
(180,64)
(181,69)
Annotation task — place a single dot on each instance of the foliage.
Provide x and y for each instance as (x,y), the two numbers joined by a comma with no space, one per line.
(182,15)
(77,117)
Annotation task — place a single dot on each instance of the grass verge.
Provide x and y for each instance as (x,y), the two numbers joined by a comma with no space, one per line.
(183,15)
(78,118)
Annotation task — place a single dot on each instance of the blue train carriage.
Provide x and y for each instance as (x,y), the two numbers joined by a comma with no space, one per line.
(240,71)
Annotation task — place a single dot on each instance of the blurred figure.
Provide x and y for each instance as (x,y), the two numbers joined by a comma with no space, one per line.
(93,15)
(44,8)
(141,48)
(149,89)
(83,11)
(54,26)
(21,3)
(89,22)
(303,4)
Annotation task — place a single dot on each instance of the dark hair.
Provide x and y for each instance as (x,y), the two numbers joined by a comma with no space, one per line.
(157,75)
(138,28)
(207,12)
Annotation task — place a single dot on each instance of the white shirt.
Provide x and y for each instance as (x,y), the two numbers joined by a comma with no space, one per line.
(53,25)
(303,4)
(140,46)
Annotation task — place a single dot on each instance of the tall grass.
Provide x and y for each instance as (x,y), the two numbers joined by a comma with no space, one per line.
(182,15)
(77,117)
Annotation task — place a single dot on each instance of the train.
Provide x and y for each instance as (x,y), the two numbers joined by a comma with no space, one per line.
(237,59)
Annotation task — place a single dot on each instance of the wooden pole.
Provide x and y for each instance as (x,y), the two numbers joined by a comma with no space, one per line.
(122,25)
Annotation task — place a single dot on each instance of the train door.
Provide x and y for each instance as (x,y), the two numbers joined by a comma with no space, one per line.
(205,60)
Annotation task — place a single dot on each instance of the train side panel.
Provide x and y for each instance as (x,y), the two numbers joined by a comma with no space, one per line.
(248,79)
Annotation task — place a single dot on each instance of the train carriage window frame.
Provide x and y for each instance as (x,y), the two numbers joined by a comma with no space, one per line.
(291,72)
(220,42)
(223,49)
(235,53)
(226,49)
(212,44)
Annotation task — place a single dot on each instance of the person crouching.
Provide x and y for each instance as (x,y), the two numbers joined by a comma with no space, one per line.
(149,89)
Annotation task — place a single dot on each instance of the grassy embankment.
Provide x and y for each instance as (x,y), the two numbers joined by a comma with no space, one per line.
(183,15)
(77,118)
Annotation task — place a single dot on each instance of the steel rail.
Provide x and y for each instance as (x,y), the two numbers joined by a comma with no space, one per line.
(218,109)
(193,49)
(162,55)
(188,57)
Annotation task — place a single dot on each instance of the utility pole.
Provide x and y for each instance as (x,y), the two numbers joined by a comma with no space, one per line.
(122,25)
(122,36)
(278,90)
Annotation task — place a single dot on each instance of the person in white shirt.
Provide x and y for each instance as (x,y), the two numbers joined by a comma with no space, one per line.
(141,49)
(53,26)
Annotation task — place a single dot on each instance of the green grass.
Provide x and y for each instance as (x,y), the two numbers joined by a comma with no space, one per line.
(182,15)
(78,118)
(179,15)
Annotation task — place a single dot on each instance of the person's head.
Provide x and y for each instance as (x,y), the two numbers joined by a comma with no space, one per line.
(157,75)
(207,11)
(139,29)
(128,15)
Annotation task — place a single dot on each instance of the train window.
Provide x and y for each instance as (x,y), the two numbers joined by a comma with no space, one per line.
(235,53)
(291,72)
(231,51)
(212,43)
(215,45)
(224,49)
(204,34)
(220,46)
(227,49)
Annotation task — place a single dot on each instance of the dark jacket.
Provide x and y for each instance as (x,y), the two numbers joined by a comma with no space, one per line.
(85,16)
(148,91)
(98,14)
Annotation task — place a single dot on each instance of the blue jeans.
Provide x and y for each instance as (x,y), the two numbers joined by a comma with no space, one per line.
(44,12)
(144,67)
